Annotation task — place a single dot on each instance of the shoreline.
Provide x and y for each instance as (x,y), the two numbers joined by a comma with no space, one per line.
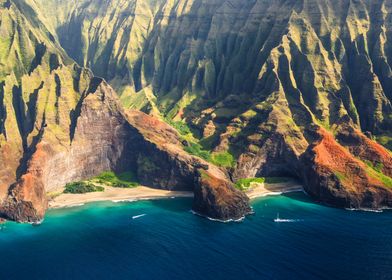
(264,189)
(146,193)
(115,195)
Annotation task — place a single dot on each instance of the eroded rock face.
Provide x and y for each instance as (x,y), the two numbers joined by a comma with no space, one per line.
(365,149)
(162,163)
(286,92)
(98,143)
(106,138)
(27,200)
(332,175)
(217,198)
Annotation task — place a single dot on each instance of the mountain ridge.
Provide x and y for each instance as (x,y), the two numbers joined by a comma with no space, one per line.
(278,87)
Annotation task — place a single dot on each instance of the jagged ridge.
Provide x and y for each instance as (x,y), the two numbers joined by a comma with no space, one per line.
(60,124)
(266,81)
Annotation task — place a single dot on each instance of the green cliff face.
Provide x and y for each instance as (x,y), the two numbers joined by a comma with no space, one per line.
(39,87)
(260,87)
(59,123)
(210,62)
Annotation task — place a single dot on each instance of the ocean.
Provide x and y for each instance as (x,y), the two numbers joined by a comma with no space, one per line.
(162,239)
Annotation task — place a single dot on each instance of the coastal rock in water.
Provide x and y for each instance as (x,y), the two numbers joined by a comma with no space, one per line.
(104,137)
(27,201)
(364,148)
(271,88)
(218,199)
(162,163)
(94,141)
(332,175)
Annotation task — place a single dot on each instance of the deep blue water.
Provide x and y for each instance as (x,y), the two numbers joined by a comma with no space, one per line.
(102,241)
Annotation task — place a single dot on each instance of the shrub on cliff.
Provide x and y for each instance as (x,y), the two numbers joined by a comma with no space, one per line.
(123,180)
(245,184)
(82,187)
(223,159)
(196,150)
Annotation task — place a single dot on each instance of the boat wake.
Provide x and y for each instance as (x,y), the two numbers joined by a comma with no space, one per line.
(218,220)
(124,200)
(138,216)
(279,220)
(367,210)
(287,220)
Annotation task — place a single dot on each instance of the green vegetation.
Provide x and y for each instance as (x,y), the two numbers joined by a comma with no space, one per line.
(197,150)
(224,159)
(341,176)
(384,179)
(375,171)
(53,195)
(180,126)
(378,167)
(245,184)
(386,141)
(122,180)
(82,187)
(277,180)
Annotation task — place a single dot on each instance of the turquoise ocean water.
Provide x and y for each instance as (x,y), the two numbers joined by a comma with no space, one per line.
(102,241)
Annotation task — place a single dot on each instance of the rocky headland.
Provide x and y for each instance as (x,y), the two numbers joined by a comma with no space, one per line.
(194,95)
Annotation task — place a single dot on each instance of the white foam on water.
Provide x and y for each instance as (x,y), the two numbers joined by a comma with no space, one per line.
(74,205)
(367,210)
(288,220)
(138,216)
(218,220)
(124,200)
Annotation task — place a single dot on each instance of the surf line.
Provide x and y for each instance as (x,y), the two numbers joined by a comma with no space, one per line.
(138,216)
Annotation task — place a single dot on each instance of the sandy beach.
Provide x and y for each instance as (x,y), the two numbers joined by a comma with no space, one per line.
(264,189)
(140,193)
(114,194)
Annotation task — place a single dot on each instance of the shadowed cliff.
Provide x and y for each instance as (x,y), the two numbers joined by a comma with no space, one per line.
(296,88)
(60,124)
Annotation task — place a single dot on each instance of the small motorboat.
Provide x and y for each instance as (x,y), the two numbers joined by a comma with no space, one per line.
(138,216)
(279,220)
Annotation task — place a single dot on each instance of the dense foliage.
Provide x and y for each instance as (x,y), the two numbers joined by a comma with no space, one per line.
(82,187)
(122,180)
(246,183)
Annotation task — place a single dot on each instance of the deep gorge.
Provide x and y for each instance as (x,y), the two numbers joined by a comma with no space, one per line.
(299,88)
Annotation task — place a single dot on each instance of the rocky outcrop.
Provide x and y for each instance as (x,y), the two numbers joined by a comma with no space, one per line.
(162,163)
(189,58)
(26,201)
(365,149)
(254,80)
(293,88)
(217,198)
(332,175)
(100,137)
(98,143)
(59,124)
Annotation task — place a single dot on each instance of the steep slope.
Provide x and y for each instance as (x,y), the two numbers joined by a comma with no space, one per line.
(34,90)
(280,86)
(60,124)
(331,54)
(250,78)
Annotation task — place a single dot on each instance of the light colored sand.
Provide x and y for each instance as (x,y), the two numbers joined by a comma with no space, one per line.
(114,194)
(140,193)
(260,190)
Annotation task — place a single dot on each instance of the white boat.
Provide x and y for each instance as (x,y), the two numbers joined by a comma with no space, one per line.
(138,216)
(279,220)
